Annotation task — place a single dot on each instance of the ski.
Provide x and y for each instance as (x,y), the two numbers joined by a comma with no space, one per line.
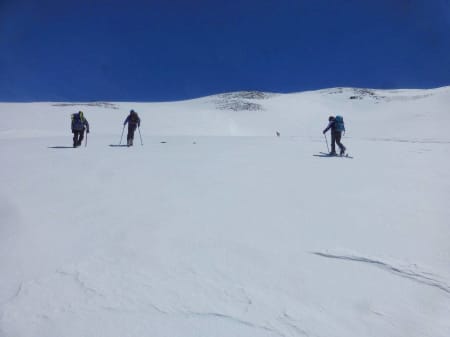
(327,155)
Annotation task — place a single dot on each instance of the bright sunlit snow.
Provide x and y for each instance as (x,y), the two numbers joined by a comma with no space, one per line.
(197,233)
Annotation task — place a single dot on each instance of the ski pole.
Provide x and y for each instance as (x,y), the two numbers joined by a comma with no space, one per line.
(120,143)
(139,128)
(326,141)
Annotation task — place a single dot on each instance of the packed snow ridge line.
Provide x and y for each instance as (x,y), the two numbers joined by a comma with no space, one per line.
(416,275)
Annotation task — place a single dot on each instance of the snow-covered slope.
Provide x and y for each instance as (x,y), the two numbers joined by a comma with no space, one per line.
(200,234)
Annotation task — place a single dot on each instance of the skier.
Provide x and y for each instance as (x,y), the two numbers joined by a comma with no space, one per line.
(134,122)
(78,125)
(336,124)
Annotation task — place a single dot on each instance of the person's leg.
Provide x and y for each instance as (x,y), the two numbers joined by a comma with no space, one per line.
(77,138)
(80,139)
(333,142)
(132,133)
(338,141)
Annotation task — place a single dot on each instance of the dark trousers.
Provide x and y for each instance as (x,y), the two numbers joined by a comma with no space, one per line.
(78,136)
(130,135)
(336,139)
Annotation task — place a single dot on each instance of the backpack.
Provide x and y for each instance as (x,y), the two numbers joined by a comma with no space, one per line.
(77,122)
(339,124)
(134,118)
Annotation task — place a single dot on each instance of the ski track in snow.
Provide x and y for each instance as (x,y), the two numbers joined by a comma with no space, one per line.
(293,325)
(236,320)
(412,141)
(417,276)
(284,319)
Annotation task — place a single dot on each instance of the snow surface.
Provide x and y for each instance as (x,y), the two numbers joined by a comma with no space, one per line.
(211,235)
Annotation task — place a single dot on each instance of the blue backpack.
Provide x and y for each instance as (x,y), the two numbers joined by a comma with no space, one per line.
(339,124)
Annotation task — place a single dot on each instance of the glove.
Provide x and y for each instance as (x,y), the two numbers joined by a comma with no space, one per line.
(87,131)
(323,132)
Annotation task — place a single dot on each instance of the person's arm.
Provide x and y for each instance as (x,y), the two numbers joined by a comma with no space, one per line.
(87,125)
(139,122)
(126,120)
(328,127)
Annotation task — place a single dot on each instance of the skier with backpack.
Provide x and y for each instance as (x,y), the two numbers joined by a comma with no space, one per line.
(134,122)
(336,124)
(79,125)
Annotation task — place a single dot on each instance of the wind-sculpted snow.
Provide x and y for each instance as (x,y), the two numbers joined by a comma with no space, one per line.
(101,289)
(414,274)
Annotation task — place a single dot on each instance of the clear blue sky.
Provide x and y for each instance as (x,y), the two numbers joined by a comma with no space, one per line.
(175,49)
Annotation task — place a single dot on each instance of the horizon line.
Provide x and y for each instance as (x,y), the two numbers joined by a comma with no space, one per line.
(217,94)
